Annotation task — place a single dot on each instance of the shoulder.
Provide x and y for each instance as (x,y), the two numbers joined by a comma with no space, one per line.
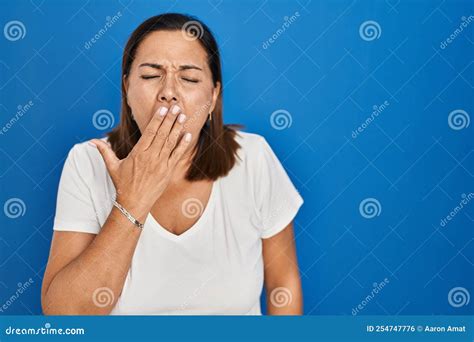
(248,139)
(85,190)
(256,150)
(254,155)
(251,146)
(86,158)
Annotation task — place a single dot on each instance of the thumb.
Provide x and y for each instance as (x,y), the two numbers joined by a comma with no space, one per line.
(110,159)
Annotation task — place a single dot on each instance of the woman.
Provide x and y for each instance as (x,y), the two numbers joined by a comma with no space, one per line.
(174,212)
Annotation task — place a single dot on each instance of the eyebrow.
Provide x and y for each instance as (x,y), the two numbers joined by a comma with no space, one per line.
(159,66)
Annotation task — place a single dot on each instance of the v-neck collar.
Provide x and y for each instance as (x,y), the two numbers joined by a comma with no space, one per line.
(157,227)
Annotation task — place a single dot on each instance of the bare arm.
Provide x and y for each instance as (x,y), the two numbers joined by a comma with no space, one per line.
(86,271)
(282,278)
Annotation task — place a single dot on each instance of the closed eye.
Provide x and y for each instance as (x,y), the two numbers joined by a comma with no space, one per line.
(147,77)
(190,80)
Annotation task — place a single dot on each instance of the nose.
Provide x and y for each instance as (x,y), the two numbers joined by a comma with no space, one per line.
(167,91)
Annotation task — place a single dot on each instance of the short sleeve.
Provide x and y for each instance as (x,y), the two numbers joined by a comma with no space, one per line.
(277,199)
(74,206)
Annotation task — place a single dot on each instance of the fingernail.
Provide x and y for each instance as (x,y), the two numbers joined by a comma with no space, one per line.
(163,111)
(187,137)
(92,144)
(176,109)
(181,118)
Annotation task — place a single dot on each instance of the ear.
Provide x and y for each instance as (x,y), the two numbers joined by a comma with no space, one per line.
(125,86)
(215,94)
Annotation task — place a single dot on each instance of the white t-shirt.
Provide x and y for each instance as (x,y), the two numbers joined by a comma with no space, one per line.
(213,268)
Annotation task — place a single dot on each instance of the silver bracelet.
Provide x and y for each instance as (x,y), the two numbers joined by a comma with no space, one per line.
(128,215)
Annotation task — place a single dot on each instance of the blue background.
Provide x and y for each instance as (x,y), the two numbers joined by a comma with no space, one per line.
(328,79)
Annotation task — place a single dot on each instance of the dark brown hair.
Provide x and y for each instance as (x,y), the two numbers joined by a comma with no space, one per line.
(216,150)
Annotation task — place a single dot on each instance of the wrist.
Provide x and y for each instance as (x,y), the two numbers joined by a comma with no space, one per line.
(136,208)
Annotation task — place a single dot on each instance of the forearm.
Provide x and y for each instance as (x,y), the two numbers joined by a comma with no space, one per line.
(103,264)
(285,297)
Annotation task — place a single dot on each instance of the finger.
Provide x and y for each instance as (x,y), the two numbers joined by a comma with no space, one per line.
(151,129)
(174,136)
(110,159)
(164,130)
(180,149)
